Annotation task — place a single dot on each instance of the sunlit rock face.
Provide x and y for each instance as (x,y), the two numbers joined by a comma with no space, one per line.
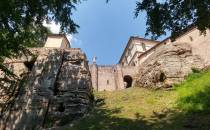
(72,91)
(56,89)
(168,65)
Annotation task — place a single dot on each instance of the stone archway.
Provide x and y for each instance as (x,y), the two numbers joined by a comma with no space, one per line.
(128,80)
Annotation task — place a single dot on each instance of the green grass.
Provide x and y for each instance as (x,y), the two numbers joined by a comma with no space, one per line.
(194,93)
(130,109)
(187,107)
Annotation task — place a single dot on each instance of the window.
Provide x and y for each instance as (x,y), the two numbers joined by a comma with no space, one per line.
(107,82)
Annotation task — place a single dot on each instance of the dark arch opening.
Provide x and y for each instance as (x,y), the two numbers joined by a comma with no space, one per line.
(128,81)
(162,77)
(29,64)
(61,107)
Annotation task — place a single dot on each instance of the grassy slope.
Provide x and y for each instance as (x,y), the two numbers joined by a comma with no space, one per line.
(194,93)
(185,108)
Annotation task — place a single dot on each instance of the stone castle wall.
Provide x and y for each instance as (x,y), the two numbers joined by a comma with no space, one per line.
(107,78)
(111,77)
(114,77)
(170,61)
(199,43)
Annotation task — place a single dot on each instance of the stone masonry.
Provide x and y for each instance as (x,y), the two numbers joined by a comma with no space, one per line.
(153,61)
(170,61)
(112,77)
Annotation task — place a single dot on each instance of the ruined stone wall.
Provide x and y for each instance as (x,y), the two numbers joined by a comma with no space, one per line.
(56,91)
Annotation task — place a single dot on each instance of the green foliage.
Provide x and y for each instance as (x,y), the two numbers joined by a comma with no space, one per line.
(21,23)
(174,15)
(194,93)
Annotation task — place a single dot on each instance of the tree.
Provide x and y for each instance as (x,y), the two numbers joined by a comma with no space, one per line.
(174,15)
(21,23)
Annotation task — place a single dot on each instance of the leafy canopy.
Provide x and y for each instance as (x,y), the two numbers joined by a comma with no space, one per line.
(21,23)
(174,15)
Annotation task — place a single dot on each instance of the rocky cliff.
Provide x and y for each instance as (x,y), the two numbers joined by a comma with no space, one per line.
(168,65)
(55,88)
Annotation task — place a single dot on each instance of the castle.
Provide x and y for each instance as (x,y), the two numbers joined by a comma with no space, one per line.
(57,80)
(120,76)
(123,74)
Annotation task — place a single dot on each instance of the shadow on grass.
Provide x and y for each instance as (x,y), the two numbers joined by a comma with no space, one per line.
(102,118)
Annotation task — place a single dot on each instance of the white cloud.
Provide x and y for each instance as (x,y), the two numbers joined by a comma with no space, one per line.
(54,28)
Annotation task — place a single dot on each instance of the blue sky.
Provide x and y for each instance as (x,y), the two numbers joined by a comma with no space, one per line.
(105,28)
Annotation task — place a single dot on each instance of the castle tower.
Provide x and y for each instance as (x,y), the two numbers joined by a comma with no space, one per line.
(94,72)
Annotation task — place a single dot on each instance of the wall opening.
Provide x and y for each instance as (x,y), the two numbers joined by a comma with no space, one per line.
(29,64)
(127,81)
(107,82)
(61,107)
(162,77)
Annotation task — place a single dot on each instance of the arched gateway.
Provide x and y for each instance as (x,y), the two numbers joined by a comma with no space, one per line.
(128,81)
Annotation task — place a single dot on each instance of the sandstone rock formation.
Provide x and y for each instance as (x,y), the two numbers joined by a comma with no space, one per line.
(56,90)
(168,65)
